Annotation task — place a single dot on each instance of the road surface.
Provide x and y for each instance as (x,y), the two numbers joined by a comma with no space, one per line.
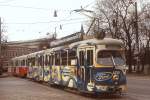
(12,88)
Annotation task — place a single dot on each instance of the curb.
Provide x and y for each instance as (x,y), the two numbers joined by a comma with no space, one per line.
(4,75)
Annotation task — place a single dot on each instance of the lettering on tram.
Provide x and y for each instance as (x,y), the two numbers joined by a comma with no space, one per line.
(90,66)
(102,76)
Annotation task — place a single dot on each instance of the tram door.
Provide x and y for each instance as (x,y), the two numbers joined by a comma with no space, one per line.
(86,56)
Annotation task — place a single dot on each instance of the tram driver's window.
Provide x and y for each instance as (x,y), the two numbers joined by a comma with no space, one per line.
(89,57)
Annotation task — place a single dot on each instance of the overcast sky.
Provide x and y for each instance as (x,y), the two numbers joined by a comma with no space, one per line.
(32,19)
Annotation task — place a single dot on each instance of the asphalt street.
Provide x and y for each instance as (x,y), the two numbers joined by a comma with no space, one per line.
(12,88)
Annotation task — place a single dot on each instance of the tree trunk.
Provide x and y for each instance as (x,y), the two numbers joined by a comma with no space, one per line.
(129,51)
(130,58)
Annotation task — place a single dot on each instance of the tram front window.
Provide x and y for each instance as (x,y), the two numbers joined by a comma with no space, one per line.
(110,58)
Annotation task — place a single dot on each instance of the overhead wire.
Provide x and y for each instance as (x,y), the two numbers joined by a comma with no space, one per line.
(47,9)
(89,4)
(83,7)
(75,22)
(21,6)
(64,20)
(38,8)
(34,8)
(7,1)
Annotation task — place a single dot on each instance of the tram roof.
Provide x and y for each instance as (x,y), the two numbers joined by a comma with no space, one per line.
(95,41)
(36,53)
(20,57)
(56,49)
(59,48)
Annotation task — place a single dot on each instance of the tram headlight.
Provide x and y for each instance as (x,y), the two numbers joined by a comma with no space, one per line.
(115,77)
(90,86)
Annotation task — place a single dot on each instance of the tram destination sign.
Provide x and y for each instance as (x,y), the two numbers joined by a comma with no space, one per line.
(67,40)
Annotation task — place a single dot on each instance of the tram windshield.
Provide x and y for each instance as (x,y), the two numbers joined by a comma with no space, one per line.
(110,58)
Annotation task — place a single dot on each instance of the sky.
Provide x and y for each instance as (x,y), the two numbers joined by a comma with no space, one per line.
(33,19)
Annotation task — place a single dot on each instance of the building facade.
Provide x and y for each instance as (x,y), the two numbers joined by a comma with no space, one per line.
(18,48)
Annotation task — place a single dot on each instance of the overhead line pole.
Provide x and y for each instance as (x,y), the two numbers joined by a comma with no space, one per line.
(137,35)
(0,48)
(0,37)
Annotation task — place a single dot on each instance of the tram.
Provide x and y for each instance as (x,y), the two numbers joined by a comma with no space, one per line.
(19,66)
(89,66)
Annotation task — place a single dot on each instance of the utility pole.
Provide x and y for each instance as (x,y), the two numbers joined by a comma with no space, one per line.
(0,37)
(137,36)
(0,48)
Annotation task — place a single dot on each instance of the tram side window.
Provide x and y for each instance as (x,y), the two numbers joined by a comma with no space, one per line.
(46,60)
(16,63)
(11,63)
(89,57)
(49,61)
(40,60)
(71,56)
(27,62)
(43,61)
(57,59)
(36,61)
(52,59)
(81,58)
(30,61)
(82,73)
(64,58)
(23,63)
(33,61)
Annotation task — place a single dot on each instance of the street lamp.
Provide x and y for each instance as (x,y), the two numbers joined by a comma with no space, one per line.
(0,49)
(55,13)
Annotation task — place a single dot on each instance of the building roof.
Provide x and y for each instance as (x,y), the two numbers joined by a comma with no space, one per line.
(29,43)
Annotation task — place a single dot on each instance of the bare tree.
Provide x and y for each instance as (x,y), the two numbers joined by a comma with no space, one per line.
(3,40)
(122,20)
(117,20)
(144,28)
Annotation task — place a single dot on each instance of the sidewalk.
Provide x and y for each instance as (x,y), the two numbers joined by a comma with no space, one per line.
(3,75)
(138,76)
